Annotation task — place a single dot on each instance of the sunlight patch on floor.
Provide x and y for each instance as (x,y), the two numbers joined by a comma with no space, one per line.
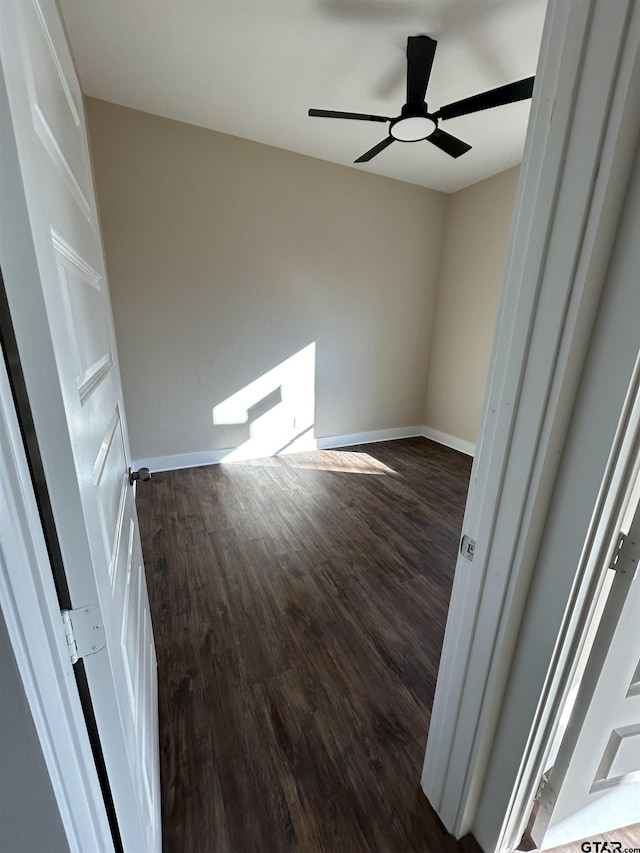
(337,461)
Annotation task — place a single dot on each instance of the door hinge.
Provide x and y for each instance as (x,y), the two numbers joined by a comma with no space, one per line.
(468,547)
(626,555)
(622,538)
(84,631)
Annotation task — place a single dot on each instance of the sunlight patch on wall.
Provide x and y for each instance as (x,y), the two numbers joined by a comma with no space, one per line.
(279,408)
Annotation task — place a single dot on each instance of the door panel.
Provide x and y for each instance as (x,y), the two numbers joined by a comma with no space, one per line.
(85,300)
(130,638)
(56,103)
(111,487)
(619,764)
(99,516)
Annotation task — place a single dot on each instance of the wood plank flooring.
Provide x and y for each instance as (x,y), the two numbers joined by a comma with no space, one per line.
(299,606)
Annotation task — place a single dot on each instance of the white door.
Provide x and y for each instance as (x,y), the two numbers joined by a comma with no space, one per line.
(594,785)
(92,501)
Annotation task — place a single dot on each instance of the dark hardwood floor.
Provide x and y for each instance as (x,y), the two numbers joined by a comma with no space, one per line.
(299,606)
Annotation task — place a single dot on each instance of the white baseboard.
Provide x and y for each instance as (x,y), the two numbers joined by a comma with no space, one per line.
(327,442)
(181,460)
(452,441)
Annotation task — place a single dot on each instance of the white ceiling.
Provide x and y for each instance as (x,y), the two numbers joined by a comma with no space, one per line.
(252,68)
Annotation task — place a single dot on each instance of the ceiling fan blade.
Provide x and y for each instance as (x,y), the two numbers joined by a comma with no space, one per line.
(336,114)
(371,153)
(509,94)
(451,145)
(420,53)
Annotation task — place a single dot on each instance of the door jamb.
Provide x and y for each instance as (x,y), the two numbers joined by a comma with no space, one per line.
(618,482)
(30,607)
(580,147)
(22,408)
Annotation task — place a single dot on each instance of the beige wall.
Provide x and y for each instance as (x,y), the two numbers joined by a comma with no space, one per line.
(477,226)
(227,257)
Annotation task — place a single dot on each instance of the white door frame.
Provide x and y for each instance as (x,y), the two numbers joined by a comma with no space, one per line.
(30,608)
(622,471)
(597,472)
(580,149)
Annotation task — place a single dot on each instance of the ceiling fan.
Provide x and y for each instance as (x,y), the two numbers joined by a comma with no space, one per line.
(415,122)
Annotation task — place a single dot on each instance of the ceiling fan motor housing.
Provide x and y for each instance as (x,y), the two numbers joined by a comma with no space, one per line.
(412,109)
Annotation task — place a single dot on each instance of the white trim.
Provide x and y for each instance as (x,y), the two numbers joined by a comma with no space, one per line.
(32,614)
(179,461)
(328,442)
(579,151)
(467,447)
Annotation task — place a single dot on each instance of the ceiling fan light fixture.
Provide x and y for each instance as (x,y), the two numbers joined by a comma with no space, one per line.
(415,122)
(412,128)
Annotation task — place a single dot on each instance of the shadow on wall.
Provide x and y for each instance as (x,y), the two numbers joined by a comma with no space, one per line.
(275,413)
